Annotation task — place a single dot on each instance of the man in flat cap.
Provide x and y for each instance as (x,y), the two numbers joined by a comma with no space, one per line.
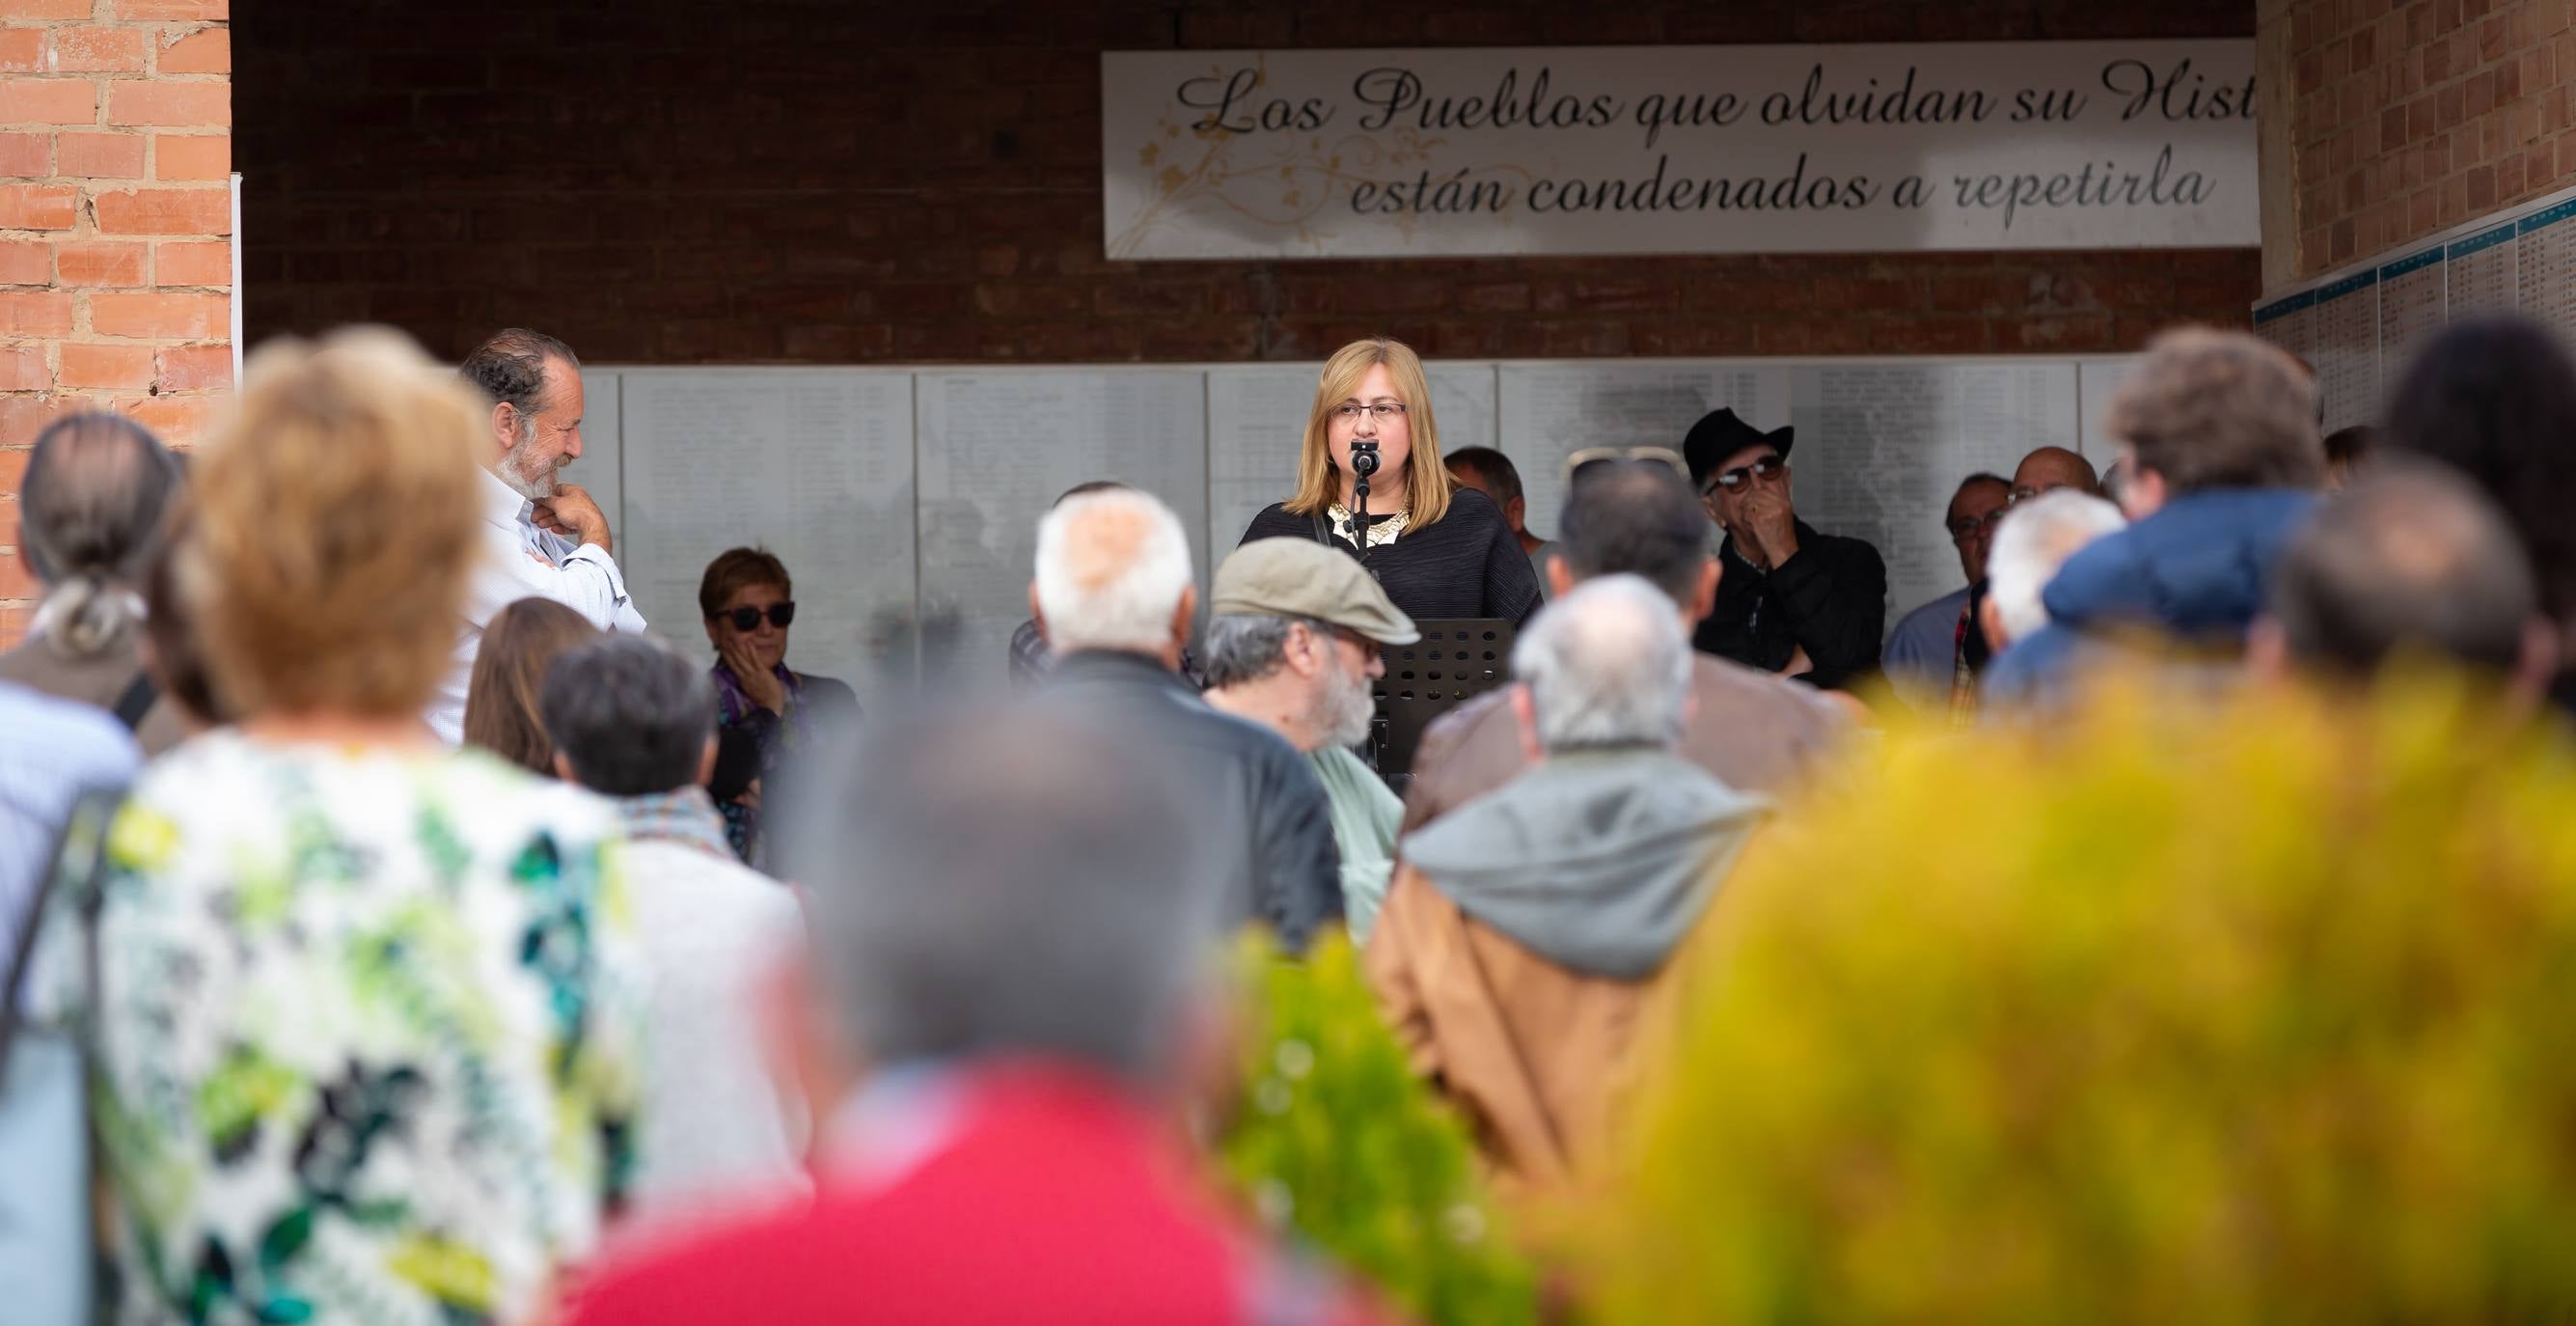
(1791,600)
(1292,644)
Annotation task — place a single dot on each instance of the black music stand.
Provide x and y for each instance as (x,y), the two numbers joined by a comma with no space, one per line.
(1454,661)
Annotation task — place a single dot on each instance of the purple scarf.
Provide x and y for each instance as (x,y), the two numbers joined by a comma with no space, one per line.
(733,706)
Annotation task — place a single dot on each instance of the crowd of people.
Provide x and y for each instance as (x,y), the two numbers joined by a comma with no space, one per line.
(401,931)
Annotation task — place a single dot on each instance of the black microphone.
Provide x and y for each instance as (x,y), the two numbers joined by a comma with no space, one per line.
(1363,459)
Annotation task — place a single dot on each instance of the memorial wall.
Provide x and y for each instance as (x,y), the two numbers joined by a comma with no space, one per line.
(905,503)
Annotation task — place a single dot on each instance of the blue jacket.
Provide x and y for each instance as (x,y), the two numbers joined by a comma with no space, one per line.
(2197,571)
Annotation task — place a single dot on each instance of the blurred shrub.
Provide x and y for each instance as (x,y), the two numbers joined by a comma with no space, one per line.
(2267,1014)
(1338,1146)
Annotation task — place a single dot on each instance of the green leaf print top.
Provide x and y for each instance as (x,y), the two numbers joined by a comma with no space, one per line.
(366,1036)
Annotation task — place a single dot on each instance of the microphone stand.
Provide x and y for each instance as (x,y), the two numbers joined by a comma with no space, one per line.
(1363,464)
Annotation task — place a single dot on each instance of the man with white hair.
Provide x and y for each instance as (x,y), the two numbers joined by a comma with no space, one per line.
(1114,596)
(2037,538)
(1527,943)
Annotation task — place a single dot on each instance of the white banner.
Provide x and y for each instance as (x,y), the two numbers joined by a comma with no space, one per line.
(1678,149)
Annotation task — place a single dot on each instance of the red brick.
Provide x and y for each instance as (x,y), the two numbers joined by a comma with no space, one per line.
(22,11)
(1851,293)
(22,50)
(35,313)
(174,317)
(181,421)
(93,50)
(26,262)
(1930,336)
(193,262)
(87,366)
(204,51)
(192,156)
(25,156)
(194,368)
(48,101)
(165,211)
(13,460)
(203,11)
(100,156)
(100,264)
(17,579)
(22,368)
(180,105)
(37,206)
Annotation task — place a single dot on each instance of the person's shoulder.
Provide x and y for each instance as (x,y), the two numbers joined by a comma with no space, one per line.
(707,1274)
(1853,549)
(1472,510)
(516,806)
(829,693)
(76,740)
(1277,521)
(1729,680)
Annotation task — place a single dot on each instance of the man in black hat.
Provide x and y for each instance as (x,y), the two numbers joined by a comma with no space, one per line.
(1791,600)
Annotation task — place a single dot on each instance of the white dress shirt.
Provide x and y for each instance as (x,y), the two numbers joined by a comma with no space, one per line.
(521,561)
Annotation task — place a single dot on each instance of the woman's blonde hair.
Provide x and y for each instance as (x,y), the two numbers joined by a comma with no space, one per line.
(1427,484)
(504,701)
(336,528)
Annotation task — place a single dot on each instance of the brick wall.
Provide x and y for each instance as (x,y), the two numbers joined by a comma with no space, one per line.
(115,228)
(837,181)
(2411,116)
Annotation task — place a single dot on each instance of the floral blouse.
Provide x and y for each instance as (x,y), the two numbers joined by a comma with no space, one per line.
(365,1037)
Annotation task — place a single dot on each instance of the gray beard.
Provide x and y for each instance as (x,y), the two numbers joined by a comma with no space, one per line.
(1344,709)
(514,473)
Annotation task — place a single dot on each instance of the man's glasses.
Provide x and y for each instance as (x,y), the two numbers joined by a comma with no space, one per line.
(1385,412)
(1736,478)
(1964,526)
(781,615)
(1594,457)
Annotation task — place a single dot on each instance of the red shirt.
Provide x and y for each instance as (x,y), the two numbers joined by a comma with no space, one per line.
(1048,1196)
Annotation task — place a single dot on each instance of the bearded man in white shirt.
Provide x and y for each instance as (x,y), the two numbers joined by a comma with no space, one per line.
(544,538)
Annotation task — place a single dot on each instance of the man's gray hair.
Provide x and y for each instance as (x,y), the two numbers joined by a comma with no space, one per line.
(632,716)
(1111,569)
(1248,646)
(1606,665)
(1008,882)
(2036,539)
(509,367)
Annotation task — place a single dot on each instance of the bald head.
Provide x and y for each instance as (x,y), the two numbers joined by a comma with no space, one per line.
(1113,572)
(2051,468)
(2406,560)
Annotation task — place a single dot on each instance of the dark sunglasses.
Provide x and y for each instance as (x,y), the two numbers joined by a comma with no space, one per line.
(781,615)
(1735,478)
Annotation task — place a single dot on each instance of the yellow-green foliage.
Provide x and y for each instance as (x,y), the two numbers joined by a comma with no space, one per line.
(2267,1014)
(1337,1143)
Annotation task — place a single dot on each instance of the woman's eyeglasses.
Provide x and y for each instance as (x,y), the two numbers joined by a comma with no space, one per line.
(1594,457)
(781,615)
(1385,412)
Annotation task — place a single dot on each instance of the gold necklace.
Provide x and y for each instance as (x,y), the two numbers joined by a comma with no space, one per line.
(1382,529)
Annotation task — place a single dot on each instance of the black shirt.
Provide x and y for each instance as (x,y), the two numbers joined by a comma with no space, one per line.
(1830,597)
(1464,565)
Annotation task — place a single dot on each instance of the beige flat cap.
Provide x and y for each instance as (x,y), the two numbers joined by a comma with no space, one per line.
(1301,578)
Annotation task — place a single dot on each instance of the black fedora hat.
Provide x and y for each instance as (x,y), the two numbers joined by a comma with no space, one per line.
(1718,435)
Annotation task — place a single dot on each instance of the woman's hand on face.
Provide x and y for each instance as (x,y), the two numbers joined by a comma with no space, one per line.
(759,685)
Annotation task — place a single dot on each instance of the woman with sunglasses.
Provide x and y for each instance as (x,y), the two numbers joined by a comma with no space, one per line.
(765,711)
(1440,550)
